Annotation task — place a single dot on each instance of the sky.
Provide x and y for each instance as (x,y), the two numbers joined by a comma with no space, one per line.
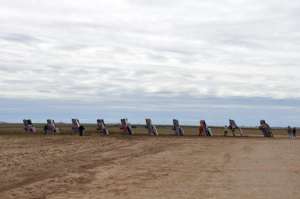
(188,60)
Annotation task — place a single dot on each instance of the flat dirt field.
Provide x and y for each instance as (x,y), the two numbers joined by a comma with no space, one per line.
(140,166)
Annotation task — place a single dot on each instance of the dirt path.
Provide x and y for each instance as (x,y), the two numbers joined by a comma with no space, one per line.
(147,167)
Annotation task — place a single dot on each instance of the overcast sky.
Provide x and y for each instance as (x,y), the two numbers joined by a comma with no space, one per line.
(191,60)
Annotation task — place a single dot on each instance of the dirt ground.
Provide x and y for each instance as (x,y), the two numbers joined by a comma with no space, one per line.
(65,166)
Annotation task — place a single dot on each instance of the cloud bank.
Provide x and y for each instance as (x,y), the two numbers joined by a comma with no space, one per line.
(131,51)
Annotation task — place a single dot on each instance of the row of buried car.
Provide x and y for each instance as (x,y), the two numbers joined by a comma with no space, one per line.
(126,127)
(51,127)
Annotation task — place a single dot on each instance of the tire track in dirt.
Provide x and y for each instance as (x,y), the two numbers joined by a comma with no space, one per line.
(81,163)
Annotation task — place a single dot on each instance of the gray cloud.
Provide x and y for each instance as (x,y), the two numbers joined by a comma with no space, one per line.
(19,38)
(132,49)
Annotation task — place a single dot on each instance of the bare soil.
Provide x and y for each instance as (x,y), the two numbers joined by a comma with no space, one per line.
(118,166)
